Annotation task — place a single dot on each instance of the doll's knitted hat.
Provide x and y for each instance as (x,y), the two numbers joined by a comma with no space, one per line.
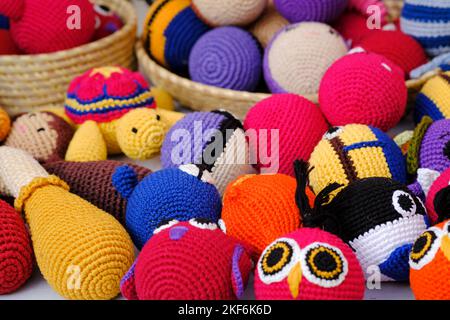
(106,21)
(307,10)
(298,56)
(438,198)
(171,29)
(92,181)
(296,121)
(434,98)
(5,124)
(7,45)
(226,57)
(309,264)
(270,22)
(191,260)
(363,88)
(214,140)
(16,254)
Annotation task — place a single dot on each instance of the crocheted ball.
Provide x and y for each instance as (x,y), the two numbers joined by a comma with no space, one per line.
(226,57)
(16,254)
(171,29)
(7,45)
(438,198)
(171,194)
(396,46)
(434,98)
(193,260)
(363,88)
(299,124)
(215,140)
(42,134)
(225,13)
(298,56)
(309,264)
(43,26)
(352,26)
(106,22)
(353,152)
(265,28)
(5,124)
(306,10)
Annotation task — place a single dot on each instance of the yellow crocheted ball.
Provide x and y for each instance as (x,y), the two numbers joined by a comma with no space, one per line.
(5,124)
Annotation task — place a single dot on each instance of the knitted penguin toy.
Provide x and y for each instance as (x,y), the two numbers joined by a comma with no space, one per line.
(7,45)
(191,260)
(306,10)
(434,98)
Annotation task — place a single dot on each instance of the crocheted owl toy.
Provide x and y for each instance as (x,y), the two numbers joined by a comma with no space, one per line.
(44,135)
(5,124)
(309,264)
(178,194)
(7,45)
(433,99)
(214,140)
(81,251)
(115,111)
(191,260)
(306,10)
(106,21)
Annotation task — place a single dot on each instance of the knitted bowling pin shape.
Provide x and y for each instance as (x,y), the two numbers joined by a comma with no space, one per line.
(191,260)
(268,24)
(178,194)
(16,254)
(434,98)
(44,135)
(438,198)
(305,10)
(5,124)
(92,181)
(7,45)
(82,251)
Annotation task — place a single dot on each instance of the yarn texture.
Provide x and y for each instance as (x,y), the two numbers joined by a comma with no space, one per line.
(5,124)
(7,45)
(434,99)
(437,201)
(352,26)
(267,25)
(305,10)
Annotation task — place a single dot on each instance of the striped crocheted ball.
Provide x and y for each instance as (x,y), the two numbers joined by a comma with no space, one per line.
(354,152)
(434,98)
(227,57)
(231,12)
(7,45)
(438,198)
(298,56)
(171,29)
(267,26)
(429,22)
(307,10)
(363,88)
(214,140)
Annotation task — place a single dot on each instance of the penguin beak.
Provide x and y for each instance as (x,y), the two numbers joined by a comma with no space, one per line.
(294,279)
(445,247)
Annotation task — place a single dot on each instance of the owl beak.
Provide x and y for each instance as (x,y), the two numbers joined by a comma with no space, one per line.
(445,247)
(294,279)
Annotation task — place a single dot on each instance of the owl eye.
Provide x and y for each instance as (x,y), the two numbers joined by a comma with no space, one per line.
(277,260)
(404,203)
(205,224)
(165,224)
(324,265)
(333,133)
(193,170)
(425,248)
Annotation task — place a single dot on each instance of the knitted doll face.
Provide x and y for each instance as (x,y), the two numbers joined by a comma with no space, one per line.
(308,264)
(435,147)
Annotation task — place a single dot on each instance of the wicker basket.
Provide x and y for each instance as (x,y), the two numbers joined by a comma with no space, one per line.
(34,82)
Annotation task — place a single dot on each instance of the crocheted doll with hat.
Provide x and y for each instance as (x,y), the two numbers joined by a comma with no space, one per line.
(178,194)
(298,56)
(285,127)
(7,45)
(378,217)
(44,26)
(5,124)
(353,152)
(434,98)
(309,264)
(106,21)
(363,88)
(16,254)
(214,140)
(171,29)
(306,10)
(44,135)
(191,260)
(438,198)
(81,251)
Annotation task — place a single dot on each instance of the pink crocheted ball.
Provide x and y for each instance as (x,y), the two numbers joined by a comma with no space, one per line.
(363,88)
(298,123)
(438,198)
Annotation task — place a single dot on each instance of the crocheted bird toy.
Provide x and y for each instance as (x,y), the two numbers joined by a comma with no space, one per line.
(309,264)
(5,124)
(191,260)
(213,140)
(44,135)
(7,45)
(438,198)
(434,98)
(267,25)
(115,111)
(305,10)
(81,251)
(106,21)
(178,194)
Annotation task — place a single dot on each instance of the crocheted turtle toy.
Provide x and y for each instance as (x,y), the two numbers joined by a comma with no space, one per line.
(116,113)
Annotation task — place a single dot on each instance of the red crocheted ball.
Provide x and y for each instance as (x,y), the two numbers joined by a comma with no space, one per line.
(363,88)
(352,26)
(438,198)
(398,47)
(7,45)
(299,124)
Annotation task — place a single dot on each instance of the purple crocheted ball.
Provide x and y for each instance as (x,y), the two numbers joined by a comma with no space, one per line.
(310,10)
(435,147)
(227,57)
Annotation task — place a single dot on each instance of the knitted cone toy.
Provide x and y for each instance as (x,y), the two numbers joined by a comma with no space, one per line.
(7,45)
(309,264)
(363,88)
(192,260)
(225,13)
(106,22)
(226,57)
(82,251)
(298,56)
(42,134)
(214,140)
(172,194)
(434,99)
(306,10)
(354,152)
(92,181)
(298,124)
(43,26)
(265,28)
(16,255)
(5,124)
(171,29)
(438,198)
